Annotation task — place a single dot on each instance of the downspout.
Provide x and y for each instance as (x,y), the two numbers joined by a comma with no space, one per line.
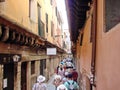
(94,36)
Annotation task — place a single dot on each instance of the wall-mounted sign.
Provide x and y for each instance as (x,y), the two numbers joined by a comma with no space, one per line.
(51,51)
(5,83)
(9,58)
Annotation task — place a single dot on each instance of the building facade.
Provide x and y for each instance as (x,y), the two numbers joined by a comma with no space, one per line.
(25,34)
(96,44)
(66,41)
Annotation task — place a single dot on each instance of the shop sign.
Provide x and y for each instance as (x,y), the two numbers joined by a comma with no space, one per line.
(5,83)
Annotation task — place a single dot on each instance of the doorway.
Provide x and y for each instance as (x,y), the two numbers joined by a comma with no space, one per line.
(8,74)
(24,76)
(42,66)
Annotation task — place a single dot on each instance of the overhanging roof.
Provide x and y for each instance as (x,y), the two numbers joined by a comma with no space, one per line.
(13,33)
(76,12)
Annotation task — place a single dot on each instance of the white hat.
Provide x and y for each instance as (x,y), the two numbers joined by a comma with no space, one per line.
(57,77)
(64,79)
(62,86)
(40,78)
(66,73)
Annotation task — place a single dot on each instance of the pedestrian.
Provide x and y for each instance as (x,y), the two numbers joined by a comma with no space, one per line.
(57,80)
(40,85)
(65,77)
(75,74)
(61,70)
(71,84)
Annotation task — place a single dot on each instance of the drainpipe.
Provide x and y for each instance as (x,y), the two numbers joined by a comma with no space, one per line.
(94,29)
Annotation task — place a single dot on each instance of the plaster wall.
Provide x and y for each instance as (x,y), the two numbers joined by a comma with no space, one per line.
(18,13)
(107,54)
(84,51)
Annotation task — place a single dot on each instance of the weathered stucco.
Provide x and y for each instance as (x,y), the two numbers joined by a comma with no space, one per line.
(107,52)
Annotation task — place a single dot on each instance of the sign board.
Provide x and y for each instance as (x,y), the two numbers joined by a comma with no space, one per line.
(51,51)
(5,83)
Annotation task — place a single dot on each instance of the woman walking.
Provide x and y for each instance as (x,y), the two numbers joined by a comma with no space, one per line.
(40,85)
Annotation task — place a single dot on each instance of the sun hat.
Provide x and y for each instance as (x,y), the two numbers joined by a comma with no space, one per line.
(40,79)
(62,86)
(57,77)
(66,73)
(64,79)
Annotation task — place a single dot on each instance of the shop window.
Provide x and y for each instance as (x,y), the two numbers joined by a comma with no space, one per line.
(112,13)
(33,67)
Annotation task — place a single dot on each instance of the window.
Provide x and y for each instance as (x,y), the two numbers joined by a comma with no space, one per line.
(30,7)
(92,28)
(46,22)
(81,39)
(64,45)
(56,10)
(52,28)
(33,67)
(42,29)
(40,23)
(51,2)
(42,66)
(32,10)
(112,13)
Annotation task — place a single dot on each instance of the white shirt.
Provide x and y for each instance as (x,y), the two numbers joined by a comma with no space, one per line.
(38,86)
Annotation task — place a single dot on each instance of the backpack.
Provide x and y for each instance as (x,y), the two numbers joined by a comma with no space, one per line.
(71,86)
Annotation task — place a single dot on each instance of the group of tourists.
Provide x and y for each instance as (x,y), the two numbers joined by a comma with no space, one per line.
(66,76)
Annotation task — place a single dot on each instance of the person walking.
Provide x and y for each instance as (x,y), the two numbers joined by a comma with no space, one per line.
(58,83)
(75,74)
(40,85)
(70,83)
(57,80)
(61,70)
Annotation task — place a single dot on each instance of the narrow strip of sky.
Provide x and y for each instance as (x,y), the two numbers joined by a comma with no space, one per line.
(61,7)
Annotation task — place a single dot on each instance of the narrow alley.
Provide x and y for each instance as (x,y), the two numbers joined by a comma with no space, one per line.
(66,67)
(47,40)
